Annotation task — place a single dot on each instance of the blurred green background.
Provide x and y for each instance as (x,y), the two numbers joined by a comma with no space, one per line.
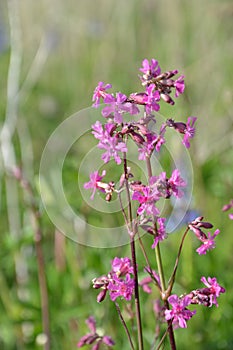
(52,55)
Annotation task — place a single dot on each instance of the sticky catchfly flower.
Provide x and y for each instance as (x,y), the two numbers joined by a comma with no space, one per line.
(95,182)
(214,289)
(187,129)
(161,232)
(179,314)
(207,296)
(110,142)
(147,198)
(94,338)
(117,106)
(100,92)
(208,243)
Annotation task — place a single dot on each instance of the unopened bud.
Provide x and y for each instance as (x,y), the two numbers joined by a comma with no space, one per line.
(108,197)
(138,98)
(92,339)
(137,186)
(205,224)
(101,296)
(137,137)
(180,127)
(167,98)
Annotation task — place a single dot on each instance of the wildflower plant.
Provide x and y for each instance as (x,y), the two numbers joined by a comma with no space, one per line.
(120,128)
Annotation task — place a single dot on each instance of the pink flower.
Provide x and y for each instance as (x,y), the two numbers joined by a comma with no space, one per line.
(147,200)
(122,266)
(208,243)
(108,141)
(179,313)
(151,99)
(117,282)
(150,69)
(179,85)
(152,142)
(121,287)
(165,187)
(160,139)
(214,289)
(95,182)
(189,131)
(175,182)
(163,82)
(93,338)
(161,232)
(207,240)
(117,107)
(100,93)
(113,147)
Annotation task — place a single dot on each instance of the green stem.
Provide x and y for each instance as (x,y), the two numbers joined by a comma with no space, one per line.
(157,248)
(160,268)
(172,278)
(124,325)
(161,271)
(162,340)
(134,260)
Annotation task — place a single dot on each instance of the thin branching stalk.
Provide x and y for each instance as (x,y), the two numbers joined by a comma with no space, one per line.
(124,325)
(172,278)
(147,261)
(162,340)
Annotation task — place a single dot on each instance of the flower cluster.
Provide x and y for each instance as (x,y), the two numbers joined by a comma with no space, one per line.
(94,338)
(157,86)
(115,136)
(208,242)
(179,314)
(118,282)
(163,82)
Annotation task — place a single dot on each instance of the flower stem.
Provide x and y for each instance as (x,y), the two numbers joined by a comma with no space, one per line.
(136,295)
(161,272)
(157,248)
(172,278)
(133,255)
(124,325)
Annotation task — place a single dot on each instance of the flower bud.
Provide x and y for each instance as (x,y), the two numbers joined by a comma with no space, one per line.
(101,296)
(180,127)
(167,98)
(137,137)
(108,340)
(138,98)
